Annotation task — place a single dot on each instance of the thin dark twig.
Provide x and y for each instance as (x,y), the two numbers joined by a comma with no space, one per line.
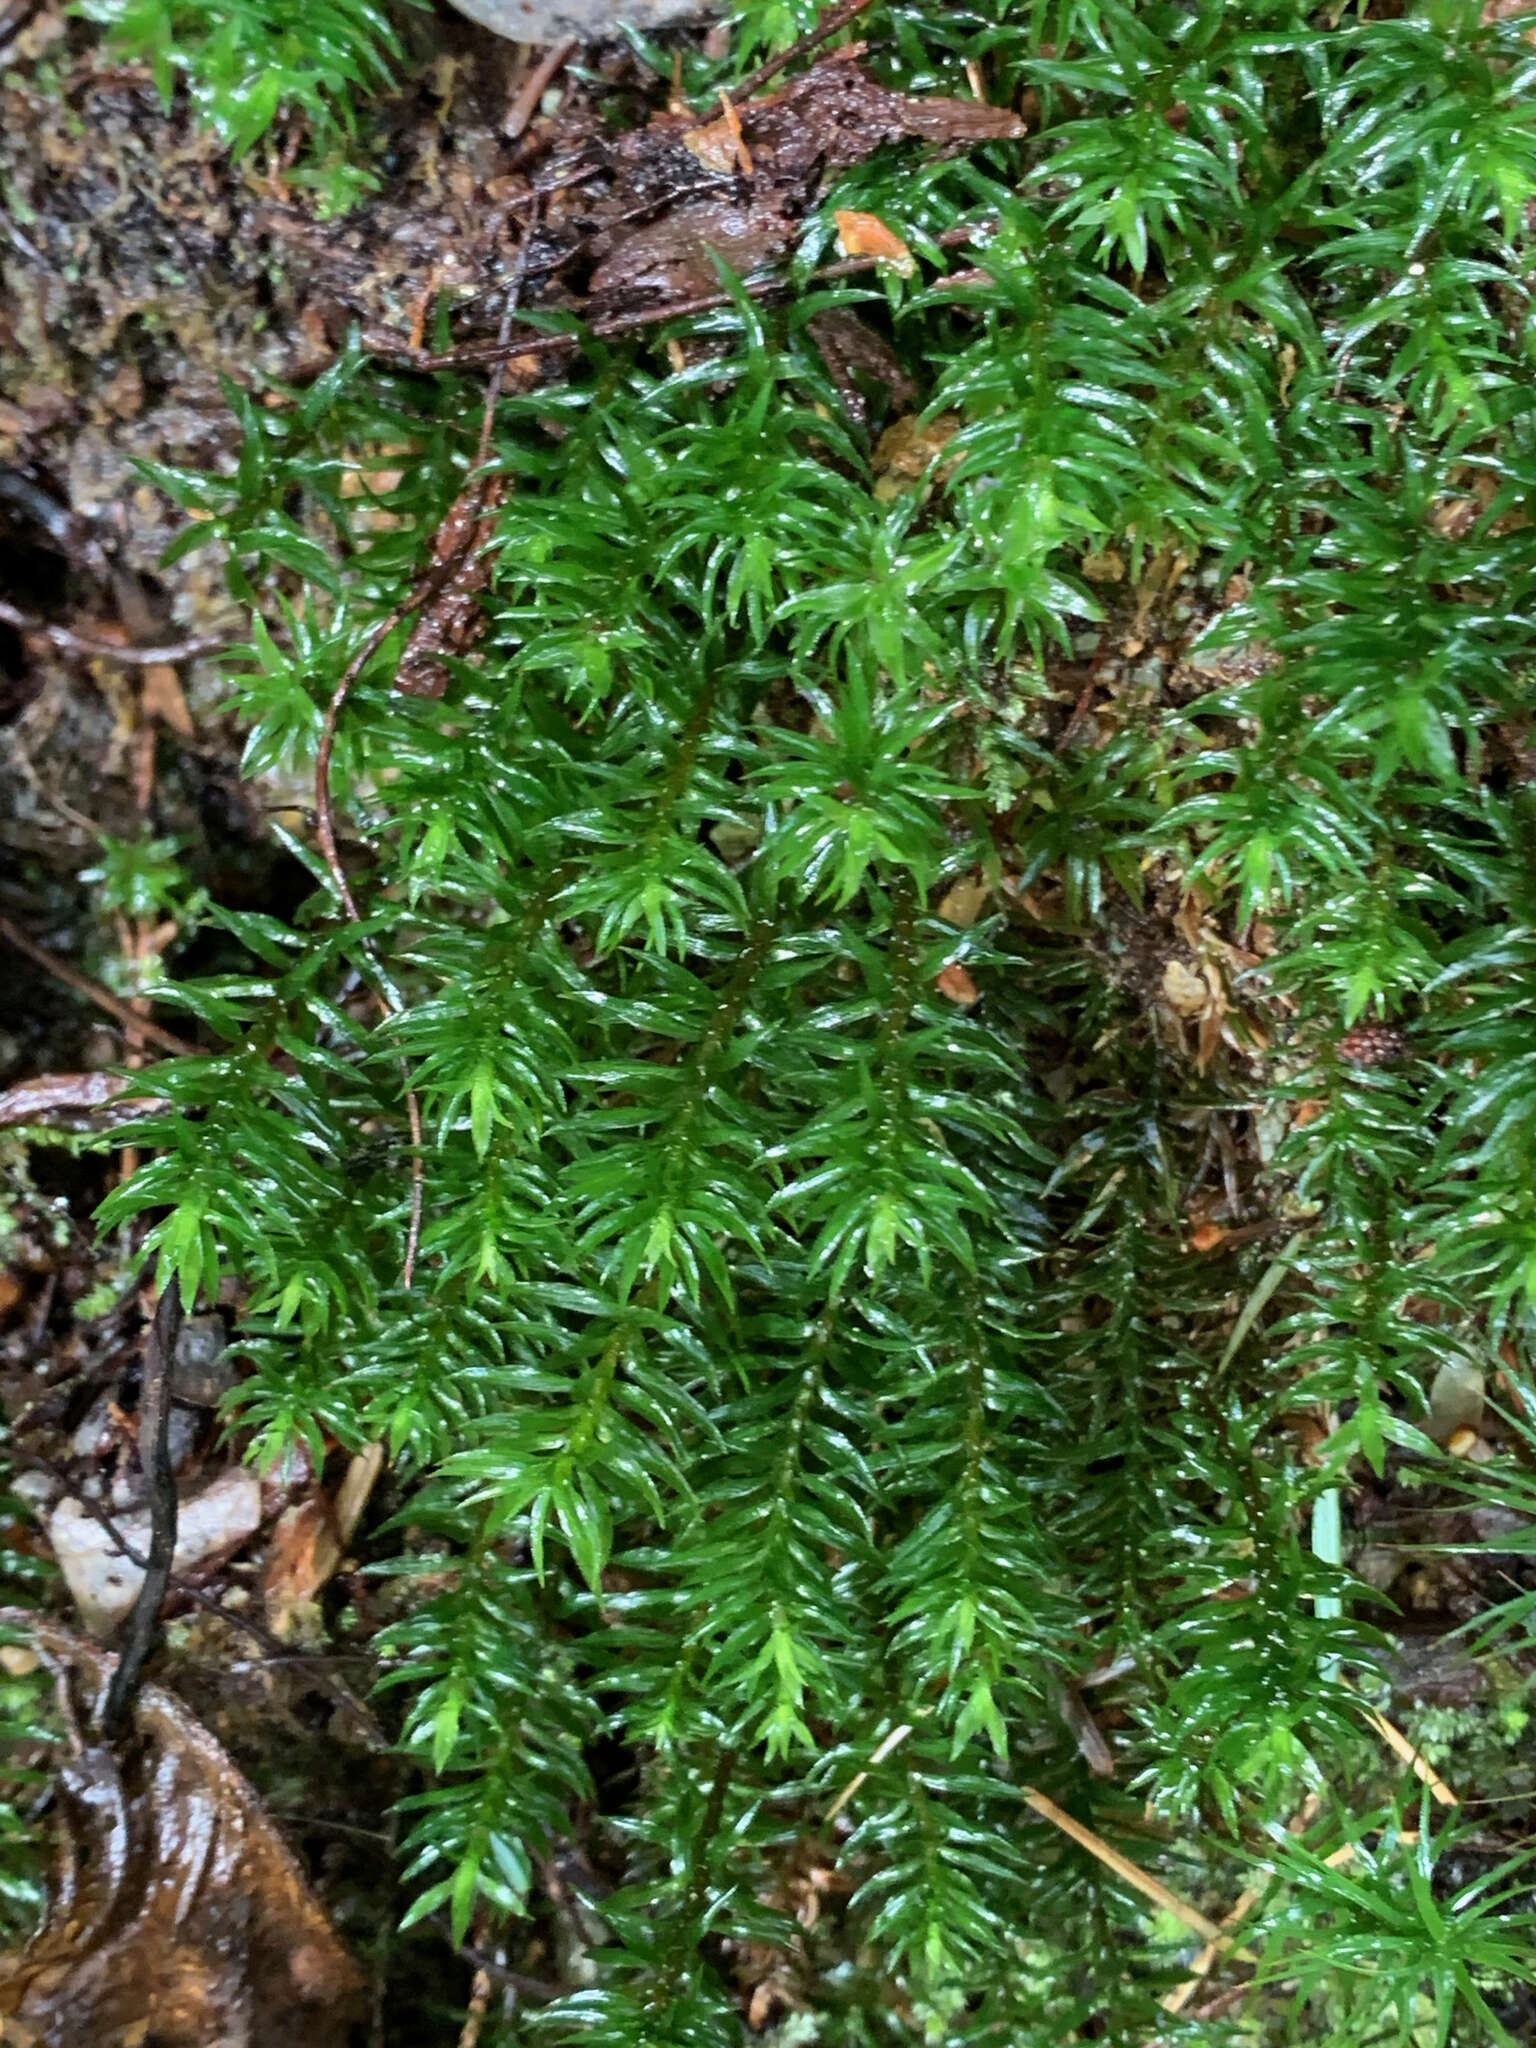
(418,1187)
(93,991)
(325,822)
(278,1652)
(514,295)
(537,83)
(538,1988)
(154,1456)
(109,650)
(476,354)
(429,586)
(811,40)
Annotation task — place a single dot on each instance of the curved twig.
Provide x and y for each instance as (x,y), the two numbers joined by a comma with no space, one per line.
(154,1456)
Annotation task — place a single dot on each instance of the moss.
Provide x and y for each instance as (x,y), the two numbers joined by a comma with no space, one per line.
(972,1048)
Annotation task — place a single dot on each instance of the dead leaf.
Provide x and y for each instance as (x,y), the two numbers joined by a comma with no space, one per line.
(1184,990)
(957,984)
(311,1539)
(1208,1238)
(963,902)
(866,234)
(714,145)
(1506,1387)
(907,450)
(303,1554)
(674,257)
(161,696)
(176,1912)
(852,350)
(93,1100)
(721,146)
(835,115)
(1104,565)
(358,1484)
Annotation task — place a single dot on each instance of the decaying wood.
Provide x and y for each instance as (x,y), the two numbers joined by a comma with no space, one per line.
(452,621)
(667,204)
(93,1101)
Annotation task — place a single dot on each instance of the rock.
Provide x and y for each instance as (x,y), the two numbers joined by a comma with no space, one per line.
(97,1432)
(104,1584)
(1379,1565)
(201,1375)
(37,1489)
(1455,1399)
(552,21)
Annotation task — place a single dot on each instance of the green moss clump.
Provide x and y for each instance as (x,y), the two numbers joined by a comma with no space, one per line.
(817,1376)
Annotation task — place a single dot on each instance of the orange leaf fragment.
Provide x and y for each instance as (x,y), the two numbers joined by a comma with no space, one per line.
(866,234)
(964,901)
(310,1540)
(957,984)
(162,697)
(1307,1113)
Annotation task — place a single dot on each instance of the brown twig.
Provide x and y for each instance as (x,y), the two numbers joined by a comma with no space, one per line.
(813,39)
(479,2006)
(537,83)
(1402,1748)
(93,991)
(325,821)
(109,650)
(435,581)
(893,1740)
(154,1456)
(476,354)
(538,1989)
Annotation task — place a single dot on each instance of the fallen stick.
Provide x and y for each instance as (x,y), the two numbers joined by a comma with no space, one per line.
(109,650)
(154,1456)
(827,27)
(94,992)
(478,354)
